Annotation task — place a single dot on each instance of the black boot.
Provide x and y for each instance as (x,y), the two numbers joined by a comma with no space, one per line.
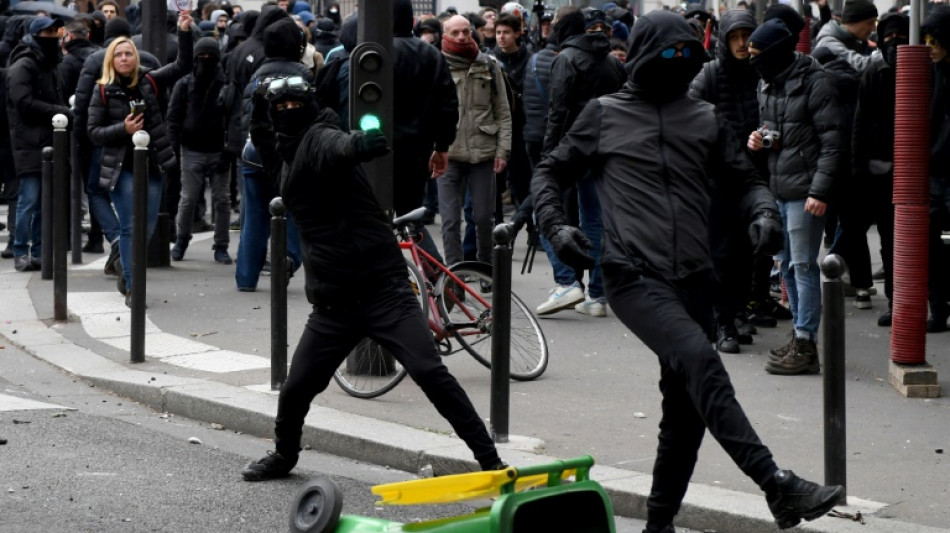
(726,340)
(221,255)
(7,252)
(798,499)
(178,251)
(271,466)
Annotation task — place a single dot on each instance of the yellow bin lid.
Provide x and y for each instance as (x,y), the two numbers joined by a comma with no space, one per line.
(458,487)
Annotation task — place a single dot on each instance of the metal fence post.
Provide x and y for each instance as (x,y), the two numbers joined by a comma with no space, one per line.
(832,290)
(139,243)
(46,215)
(501,332)
(60,213)
(278,292)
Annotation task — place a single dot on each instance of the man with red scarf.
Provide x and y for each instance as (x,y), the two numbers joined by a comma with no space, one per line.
(482,144)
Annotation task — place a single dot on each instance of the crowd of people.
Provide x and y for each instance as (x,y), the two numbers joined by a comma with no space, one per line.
(680,168)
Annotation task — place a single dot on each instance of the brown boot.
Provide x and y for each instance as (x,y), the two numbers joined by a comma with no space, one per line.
(802,358)
(777,353)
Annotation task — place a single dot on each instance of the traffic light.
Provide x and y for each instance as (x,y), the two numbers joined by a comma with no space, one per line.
(371,107)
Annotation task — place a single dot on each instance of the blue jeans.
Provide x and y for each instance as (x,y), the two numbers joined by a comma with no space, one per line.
(563,274)
(803,235)
(28,236)
(593,227)
(123,200)
(255,230)
(99,204)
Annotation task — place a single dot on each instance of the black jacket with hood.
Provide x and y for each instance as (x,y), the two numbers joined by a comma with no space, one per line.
(348,246)
(106,127)
(802,104)
(423,120)
(537,92)
(654,160)
(583,70)
(77,51)
(728,83)
(196,117)
(34,95)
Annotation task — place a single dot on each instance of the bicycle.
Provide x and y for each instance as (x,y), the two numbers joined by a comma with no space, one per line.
(456,302)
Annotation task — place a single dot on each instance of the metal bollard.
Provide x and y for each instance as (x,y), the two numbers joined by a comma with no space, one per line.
(46,215)
(832,291)
(60,213)
(501,332)
(75,198)
(278,293)
(139,243)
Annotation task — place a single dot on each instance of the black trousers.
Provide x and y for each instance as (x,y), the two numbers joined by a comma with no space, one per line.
(390,316)
(676,323)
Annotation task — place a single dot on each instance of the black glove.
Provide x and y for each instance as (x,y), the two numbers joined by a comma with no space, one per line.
(571,245)
(766,234)
(371,144)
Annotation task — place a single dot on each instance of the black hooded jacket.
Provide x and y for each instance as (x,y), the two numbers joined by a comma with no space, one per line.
(654,160)
(422,120)
(537,92)
(583,70)
(728,83)
(34,95)
(195,115)
(77,51)
(873,138)
(348,246)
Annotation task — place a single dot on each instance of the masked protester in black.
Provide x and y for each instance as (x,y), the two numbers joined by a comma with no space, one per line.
(653,146)
(355,272)
(873,141)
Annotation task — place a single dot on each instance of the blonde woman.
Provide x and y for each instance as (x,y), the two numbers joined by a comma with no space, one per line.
(124,101)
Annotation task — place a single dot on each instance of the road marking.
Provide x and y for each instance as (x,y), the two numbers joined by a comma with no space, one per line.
(15,403)
(105,318)
(100,263)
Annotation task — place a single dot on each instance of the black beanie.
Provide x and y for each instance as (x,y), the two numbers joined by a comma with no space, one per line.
(207,45)
(893,22)
(858,10)
(118,27)
(771,33)
(284,39)
(793,21)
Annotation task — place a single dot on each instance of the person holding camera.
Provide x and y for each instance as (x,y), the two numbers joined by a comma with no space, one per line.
(800,133)
(124,101)
(355,272)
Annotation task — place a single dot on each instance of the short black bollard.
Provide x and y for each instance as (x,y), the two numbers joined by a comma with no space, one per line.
(139,243)
(278,293)
(75,199)
(46,215)
(832,291)
(60,213)
(501,332)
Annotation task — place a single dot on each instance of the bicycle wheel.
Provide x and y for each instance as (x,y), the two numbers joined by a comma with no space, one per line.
(471,322)
(370,370)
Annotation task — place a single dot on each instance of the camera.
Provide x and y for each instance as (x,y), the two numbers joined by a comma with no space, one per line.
(137,107)
(770,138)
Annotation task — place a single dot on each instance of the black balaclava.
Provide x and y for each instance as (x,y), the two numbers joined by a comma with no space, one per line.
(284,39)
(402,18)
(98,33)
(333,13)
(291,124)
(205,68)
(890,23)
(654,77)
(118,27)
(776,49)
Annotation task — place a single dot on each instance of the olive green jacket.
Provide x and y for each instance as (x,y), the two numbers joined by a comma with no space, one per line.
(483,131)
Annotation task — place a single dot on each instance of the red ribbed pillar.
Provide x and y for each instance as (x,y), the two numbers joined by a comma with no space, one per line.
(912,204)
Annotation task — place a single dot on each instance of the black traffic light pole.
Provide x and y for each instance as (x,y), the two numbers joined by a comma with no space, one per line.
(371,87)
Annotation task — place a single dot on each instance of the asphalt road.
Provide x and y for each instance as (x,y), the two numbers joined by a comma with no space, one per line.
(81,459)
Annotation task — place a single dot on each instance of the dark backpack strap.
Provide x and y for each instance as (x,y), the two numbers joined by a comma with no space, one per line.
(102,94)
(154,85)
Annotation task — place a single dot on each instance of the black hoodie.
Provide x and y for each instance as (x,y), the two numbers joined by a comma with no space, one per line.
(583,70)
(728,83)
(654,159)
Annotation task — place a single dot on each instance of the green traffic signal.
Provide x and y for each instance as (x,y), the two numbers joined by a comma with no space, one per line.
(369,121)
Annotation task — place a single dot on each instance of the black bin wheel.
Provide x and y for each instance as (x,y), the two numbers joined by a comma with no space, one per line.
(317,507)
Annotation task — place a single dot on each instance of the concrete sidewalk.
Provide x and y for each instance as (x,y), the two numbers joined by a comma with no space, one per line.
(206,351)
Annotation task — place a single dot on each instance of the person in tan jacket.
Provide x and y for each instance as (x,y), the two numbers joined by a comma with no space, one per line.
(482,143)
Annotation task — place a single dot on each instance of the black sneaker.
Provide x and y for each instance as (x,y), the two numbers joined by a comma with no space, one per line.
(271,466)
(23,264)
(221,255)
(726,341)
(496,465)
(799,499)
(667,529)
(7,252)
(885,320)
(112,263)
(93,247)
(178,251)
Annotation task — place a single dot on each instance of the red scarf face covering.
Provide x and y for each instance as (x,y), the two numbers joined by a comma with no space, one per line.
(467,50)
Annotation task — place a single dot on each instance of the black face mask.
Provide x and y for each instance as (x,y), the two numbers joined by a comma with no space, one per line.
(50,48)
(769,65)
(664,80)
(290,125)
(889,49)
(206,67)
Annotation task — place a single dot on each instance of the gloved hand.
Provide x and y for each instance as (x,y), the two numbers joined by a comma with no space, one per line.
(571,246)
(371,144)
(766,234)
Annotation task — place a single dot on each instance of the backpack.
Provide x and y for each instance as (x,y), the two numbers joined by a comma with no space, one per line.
(496,70)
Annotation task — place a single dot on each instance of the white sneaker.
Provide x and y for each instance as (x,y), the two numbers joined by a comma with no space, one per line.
(562,297)
(595,307)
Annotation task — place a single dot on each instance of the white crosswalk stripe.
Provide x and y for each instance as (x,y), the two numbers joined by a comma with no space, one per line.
(16,403)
